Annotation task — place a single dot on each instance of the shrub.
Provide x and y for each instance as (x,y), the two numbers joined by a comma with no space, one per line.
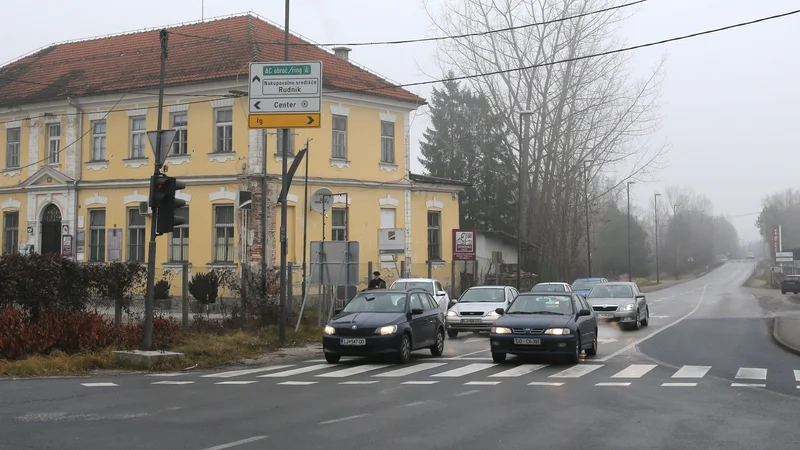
(204,287)
(161,289)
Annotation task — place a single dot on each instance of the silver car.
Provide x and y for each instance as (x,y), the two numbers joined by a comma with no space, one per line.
(621,302)
(475,309)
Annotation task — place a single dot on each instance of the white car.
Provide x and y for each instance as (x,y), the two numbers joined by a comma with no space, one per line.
(552,287)
(429,285)
(475,309)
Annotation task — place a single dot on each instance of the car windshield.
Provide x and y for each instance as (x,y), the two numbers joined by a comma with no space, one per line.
(560,305)
(427,286)
(377,302)
(584,285)
(548,288)
(612,291)
(483,295)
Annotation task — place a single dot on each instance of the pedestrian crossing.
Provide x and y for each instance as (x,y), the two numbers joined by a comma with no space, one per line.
(424,373)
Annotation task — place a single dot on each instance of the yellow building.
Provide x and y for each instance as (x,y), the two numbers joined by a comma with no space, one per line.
(76,160)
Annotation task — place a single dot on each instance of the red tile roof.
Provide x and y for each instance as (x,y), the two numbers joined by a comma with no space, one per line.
(131,61)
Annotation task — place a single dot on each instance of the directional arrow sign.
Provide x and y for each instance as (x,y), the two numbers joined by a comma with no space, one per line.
(256,79)
(285,87)
(257,105)
(285,120)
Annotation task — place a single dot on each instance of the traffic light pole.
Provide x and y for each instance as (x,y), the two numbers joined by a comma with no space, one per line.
(147,338)
(284,185)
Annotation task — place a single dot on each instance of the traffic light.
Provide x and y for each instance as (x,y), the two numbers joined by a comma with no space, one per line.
(157,191)
(164,189)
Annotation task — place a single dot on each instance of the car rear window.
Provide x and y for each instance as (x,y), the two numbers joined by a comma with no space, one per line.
(483,295)
(548,288)
(613,291)
(427,286)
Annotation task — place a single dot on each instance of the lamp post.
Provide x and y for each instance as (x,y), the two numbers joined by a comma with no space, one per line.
(655,208)
(677,242)
(629,229)
(586,198)
(523,151)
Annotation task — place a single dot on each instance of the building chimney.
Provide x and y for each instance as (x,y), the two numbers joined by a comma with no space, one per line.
(342,53)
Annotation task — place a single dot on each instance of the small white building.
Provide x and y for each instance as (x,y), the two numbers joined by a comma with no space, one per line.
(493,248)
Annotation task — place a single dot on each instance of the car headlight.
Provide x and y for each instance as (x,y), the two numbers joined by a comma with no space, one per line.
(492,314)
(452,313)
(387,330)
(557,331)
(629,307)
(501,330)
(329,330)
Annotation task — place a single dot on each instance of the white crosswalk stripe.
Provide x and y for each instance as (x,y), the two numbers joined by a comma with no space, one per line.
(577,371)
(405,371)
(466,370)
(634,371)
(298,371)
(519,370)
(751,373)
(691,372)
(353,371)
(797,376)
(239,373)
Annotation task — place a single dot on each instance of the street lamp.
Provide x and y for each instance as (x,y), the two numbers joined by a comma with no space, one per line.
(629,228)
(655,208)
(588,238)
(523,150)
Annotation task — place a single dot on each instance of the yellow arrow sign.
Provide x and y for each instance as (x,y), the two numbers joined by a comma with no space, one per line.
(310,120)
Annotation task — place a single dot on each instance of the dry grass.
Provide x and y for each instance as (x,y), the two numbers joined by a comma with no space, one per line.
(201,350)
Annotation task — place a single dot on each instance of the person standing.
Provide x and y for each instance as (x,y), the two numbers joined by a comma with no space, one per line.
(376,282)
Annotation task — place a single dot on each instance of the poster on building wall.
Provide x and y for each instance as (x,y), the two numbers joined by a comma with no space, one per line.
(66,246)
(464,245)
(115,244)
(80,243)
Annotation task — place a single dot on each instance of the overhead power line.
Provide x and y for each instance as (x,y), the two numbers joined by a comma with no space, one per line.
(414,41)
(517,69)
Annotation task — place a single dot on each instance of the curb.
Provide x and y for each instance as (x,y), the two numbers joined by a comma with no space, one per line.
(776,336)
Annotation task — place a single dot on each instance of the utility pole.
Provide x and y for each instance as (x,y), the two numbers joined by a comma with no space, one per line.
(677,242)
(305,223)
(588,237)
(284,168)
(523,159)
(147,338)
(629,228)
(655,208)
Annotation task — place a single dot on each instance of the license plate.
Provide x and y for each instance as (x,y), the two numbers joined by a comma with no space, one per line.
(527,341)
(605,316)
(353,342)
(471,321)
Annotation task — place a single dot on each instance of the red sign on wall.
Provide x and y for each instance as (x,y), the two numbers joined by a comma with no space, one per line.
(775,240)
(464,245)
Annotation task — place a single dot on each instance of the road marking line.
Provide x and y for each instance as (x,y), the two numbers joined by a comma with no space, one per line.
(328,422)
(297,371)
(457,358)
(237,373)
(466,370)
(475,340)
(466,393)
(665,327)
(577,371)
(409,370)
(238,383)
(797,375)
(634,371)
(622,384)
(171,374)
(751,373)
(420,382)
(756,385)
(408,405)
(470,354)
(679,384)
(544,383)
(519,370)
(173,382)
(352,371)
(237,443)
(691,372)
(298,383)
(98,384)
(358,382)
(482,383)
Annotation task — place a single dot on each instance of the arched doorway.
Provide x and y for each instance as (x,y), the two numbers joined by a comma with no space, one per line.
(51,229)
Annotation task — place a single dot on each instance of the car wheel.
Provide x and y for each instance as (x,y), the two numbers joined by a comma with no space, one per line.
(646,320)
(575,358)
(498,358)
(637,324)
(404,352)
(783,292)
(438,348)
(593,351)
(795,292)
(452,334)
(331,358)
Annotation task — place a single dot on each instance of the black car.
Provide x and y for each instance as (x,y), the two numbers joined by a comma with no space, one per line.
(790,283)
(545,323)
(385,321)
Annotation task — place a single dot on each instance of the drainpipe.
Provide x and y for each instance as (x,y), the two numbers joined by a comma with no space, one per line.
(78,167)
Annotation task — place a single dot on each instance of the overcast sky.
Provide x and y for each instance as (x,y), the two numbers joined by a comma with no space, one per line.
(730,99)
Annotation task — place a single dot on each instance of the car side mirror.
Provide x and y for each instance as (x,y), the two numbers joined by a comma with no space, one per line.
(441,294)
(639,295)
(417,311)
(500,311)
(584,312)
(337,311)
(452,303)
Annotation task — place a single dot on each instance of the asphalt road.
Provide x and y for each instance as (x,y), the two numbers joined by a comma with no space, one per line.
(671,385)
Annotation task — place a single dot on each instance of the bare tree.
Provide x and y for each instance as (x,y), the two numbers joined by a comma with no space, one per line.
(584,109)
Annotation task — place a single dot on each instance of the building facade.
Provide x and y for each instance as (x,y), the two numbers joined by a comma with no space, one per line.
(76,160)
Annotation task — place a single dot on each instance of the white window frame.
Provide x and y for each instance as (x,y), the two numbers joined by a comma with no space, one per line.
(180,146)
(10,234)
(387,142)
(53,143)
(99,141)
(138,149)
(97,237)
(136,252)
(13,147)
(434,245)
(224,252)
(224,127)
(338,149)
(279,143)
(183,236)
(339,232)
